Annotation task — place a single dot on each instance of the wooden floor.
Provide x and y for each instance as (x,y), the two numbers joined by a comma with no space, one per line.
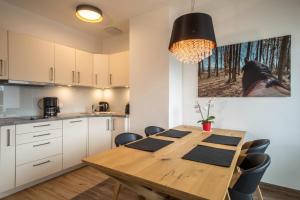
(70,185)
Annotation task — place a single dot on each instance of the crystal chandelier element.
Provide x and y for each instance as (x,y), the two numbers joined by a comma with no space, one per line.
(193,37)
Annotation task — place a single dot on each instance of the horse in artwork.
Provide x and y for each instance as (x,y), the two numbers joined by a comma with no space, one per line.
(258,81)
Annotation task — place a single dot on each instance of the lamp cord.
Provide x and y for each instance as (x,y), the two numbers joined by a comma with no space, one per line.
(192,5)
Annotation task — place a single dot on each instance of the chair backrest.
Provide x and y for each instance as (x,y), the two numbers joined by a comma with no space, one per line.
(252,168)
(125,138)
(151,130)
(258,146)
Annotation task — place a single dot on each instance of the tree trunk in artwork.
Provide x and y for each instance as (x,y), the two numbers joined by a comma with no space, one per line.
(283,57)
(217,62)
(209,67)
(239,59)
(272,56)
(260,51)
(234,63)
(257,50)
(267,53)
(248,50)
(230,63)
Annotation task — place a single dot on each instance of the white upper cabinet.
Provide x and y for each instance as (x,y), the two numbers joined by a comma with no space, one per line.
(119,69)
(101,71)
(65,70)
(3,54)
(84,68)
(7,158)
(30,58)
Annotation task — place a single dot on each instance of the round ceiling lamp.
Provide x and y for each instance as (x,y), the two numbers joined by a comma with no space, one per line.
(89,13)
(193,37)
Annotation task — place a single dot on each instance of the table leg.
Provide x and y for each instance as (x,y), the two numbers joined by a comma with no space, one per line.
(117,188)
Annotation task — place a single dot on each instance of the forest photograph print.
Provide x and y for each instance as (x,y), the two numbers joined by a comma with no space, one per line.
(252,69)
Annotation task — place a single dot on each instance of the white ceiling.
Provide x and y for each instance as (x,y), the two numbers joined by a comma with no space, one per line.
(116,12)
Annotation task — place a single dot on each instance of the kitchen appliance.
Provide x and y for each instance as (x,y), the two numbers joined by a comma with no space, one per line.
(103,106)
(50,106)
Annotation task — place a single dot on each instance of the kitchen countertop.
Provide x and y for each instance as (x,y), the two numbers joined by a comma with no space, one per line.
(28,119)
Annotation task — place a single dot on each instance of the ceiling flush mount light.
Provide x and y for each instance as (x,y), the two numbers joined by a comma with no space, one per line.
(89,13)
(193,37)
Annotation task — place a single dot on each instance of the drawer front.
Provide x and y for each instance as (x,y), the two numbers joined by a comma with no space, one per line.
(39,126)
(38,136)
(38,150)
(38,169)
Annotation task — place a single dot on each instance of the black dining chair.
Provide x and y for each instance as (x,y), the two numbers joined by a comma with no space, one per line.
(151,130)
(255,146)
(125,138)
(250,172)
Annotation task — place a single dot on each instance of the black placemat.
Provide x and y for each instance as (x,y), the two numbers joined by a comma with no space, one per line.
(221,139)
(149,144)
(174,133)
(210,155)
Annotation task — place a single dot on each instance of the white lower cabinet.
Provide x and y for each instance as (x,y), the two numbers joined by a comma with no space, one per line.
(75,133)
(99,135)
(7,158)
(117,127)
(38,169)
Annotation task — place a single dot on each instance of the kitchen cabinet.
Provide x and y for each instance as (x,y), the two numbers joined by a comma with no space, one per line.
(101,71)
(75,133)
(30,58)
(84,68)
(99,135)
(3,54)
(64,65)
(117,127)
(119,69)
(7,158)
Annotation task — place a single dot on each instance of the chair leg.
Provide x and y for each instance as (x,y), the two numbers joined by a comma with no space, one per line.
(258,193)
(227,197)
(117,188)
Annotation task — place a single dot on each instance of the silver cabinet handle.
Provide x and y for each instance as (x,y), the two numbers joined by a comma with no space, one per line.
(1,68)
(51,74)
(43,125)
(78,77)
(41,135)
(73,76)
(42,163)
(110,79)
(37,145)
(96,77)
(107,124)
(76,121)
(113,124)
(8,137)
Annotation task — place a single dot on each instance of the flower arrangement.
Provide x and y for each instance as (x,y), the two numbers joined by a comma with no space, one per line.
(208,119)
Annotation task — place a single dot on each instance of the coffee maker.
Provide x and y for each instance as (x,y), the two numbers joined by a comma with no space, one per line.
(50,107)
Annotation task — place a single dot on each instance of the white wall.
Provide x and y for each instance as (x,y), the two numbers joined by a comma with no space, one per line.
(274,118)
(149,70)
(115,44)
(23,21)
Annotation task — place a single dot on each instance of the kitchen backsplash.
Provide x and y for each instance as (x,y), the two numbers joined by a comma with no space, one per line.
(23,100)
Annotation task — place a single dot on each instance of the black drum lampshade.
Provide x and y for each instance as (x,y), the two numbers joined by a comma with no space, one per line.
(193,37)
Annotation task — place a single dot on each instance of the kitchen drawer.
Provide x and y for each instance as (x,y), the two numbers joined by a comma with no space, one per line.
(35,170)
(39,126)
(38,136)
(38,150)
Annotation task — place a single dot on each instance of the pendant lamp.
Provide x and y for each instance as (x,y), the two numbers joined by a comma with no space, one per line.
(193,37)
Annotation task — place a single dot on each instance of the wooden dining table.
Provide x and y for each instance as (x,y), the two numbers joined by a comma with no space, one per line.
(157,174)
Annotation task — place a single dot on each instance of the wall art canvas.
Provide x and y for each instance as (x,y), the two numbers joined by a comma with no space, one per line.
(251,69)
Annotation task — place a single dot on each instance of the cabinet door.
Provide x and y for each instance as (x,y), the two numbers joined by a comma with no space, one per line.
(3,54)
(7,158)
(99,135)
(117,127)
(101,71)
(119,69)
(75,132)
(84,68)
(30,58)
(64,65)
